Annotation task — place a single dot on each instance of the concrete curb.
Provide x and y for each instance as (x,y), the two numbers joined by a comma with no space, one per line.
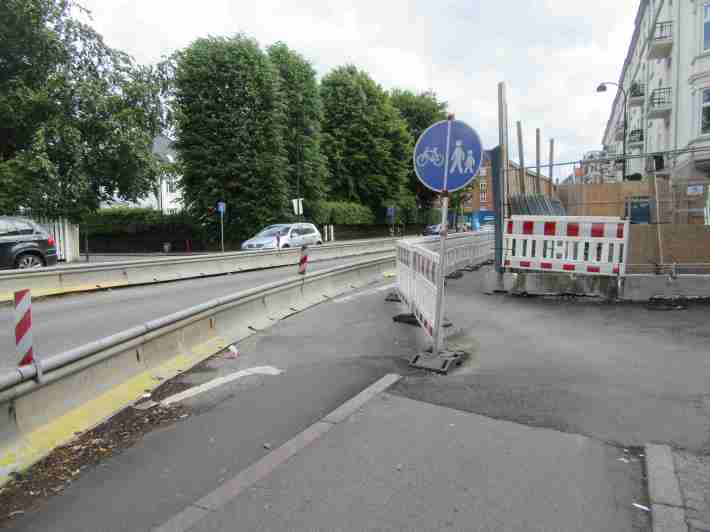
(260,469)
(667,510)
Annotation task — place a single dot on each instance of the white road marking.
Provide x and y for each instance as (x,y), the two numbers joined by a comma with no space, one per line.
(357,295)
(215,383)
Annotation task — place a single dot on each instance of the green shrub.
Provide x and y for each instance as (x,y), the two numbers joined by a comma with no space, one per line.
(127,220)
(342,213)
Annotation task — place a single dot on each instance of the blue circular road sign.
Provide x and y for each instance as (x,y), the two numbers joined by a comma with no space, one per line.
(464,155)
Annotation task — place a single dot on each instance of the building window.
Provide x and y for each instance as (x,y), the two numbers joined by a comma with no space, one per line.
(705,113)
(706,27)
(172,184)
(484,192)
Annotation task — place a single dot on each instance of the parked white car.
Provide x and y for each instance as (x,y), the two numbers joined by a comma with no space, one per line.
(284,236)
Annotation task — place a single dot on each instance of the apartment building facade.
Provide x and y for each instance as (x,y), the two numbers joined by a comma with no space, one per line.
(666,90)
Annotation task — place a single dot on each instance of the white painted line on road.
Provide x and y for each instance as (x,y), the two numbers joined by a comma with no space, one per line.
(364,293)
(220,381)
(231,489)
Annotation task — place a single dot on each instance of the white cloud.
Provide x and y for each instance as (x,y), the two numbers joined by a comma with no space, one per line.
(552,53)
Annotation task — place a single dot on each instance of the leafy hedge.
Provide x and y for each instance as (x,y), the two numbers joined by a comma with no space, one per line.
(342,212)
(127,220)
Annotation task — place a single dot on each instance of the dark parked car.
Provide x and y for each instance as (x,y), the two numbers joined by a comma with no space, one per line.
(25,244)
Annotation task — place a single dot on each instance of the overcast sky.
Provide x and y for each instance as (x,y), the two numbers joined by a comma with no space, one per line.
(552,53)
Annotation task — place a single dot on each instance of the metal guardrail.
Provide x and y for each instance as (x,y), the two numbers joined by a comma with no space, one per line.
(87,277)
(37,415)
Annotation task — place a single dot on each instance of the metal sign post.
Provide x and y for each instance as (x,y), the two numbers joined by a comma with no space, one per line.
(221,208)
(447,158)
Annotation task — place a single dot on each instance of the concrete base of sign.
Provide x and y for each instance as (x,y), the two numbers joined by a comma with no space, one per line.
(442,363)
(550,284)
(409,319)
(393,297)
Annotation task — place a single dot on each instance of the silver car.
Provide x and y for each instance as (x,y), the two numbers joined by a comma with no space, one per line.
(284,236)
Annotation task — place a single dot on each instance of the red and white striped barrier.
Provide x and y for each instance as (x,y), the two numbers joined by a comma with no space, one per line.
(567,244)
(303,260)
(23,326)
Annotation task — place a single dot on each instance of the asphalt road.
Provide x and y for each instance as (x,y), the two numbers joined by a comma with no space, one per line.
(69,321)
(621,373)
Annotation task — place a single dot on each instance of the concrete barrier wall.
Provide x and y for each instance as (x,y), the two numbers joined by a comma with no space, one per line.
(116,371)
(82,277)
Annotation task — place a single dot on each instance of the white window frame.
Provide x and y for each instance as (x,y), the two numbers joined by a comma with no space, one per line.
(704,18)
(702,105)
(483,188)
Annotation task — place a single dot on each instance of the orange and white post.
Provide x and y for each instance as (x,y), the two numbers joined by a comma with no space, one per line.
(23,327)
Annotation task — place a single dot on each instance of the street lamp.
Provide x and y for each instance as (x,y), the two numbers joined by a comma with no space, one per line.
(602,88)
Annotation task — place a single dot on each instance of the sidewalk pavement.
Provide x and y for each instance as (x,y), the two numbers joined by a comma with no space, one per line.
(402,464)
(693,473)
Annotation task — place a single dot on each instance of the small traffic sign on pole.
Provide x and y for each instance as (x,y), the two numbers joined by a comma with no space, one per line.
(23,327)
(297,206)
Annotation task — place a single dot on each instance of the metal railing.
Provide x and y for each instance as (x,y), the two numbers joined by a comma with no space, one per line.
(638,90)
(661,97)
(87,277)
(662,31)
(636,135)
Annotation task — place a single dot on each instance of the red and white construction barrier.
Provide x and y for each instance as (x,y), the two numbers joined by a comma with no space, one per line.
(568,244)
(23,327)
(303,261)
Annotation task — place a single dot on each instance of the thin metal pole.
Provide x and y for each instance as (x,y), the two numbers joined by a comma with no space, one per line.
(440,275)
(552,165)
(86,242)
(538,185)
(221,228)
(522,157)
(658,221)
(500,187)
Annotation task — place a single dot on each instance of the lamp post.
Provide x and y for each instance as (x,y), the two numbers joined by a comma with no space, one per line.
(602,88)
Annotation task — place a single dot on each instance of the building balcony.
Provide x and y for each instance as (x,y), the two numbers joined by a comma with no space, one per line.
(635,138)
(660,42)
(658,164)
(661,103)
(637,95)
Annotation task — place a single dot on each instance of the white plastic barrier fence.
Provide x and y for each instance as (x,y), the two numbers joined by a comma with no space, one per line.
(66,238)
(567,244)
(417,268)
(416,279)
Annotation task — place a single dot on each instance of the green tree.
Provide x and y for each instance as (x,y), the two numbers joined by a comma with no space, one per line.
(420,111)
(78,117)
(230,127)
(366,142)
(307,170)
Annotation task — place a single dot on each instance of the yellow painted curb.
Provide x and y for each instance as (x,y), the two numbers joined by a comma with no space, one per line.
(35,445)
